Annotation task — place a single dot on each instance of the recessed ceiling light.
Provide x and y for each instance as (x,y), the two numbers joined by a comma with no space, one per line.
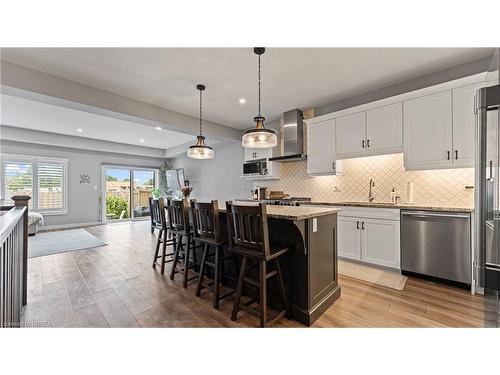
(242,100)
(141,140)
(79,130)
(158,128)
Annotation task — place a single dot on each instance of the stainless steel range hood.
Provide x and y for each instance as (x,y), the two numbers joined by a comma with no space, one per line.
(293,134)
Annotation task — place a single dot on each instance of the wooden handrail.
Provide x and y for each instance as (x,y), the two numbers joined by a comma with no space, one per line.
(13,261)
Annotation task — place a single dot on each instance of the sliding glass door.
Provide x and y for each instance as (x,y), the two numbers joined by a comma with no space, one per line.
(127,192)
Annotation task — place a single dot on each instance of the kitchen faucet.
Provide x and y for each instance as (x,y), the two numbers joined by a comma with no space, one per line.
(371,196)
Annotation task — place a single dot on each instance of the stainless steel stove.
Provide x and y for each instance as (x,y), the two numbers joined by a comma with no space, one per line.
(292,201)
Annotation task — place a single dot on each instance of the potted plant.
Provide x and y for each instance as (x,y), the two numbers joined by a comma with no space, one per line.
(156,193)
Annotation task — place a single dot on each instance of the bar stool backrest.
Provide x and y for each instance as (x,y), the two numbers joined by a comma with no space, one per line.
(206,220)
(178,215)
(157,209)
(247,227)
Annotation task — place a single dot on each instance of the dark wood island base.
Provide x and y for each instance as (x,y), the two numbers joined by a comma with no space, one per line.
(310,268)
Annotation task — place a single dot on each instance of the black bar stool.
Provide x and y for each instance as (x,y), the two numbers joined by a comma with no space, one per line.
(208,231)
(249,237)
(180,228)
(159,221)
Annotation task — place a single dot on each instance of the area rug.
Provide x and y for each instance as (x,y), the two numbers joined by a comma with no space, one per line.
(62,241)
(387,278)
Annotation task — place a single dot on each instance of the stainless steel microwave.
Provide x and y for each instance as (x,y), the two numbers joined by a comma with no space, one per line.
(255,168)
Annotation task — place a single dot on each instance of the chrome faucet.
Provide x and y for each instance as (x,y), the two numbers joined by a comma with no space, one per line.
(371,196)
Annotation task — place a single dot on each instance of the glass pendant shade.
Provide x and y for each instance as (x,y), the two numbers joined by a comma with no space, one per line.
(259,137)
(200,150)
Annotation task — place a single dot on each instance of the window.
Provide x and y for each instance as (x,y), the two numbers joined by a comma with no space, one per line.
(18,177)
(42,179)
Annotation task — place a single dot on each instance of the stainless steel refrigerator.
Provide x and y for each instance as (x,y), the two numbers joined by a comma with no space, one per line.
(487,193)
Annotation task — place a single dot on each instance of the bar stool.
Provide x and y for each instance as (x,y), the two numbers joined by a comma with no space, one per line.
(208,231)
(249,237)
(159,221)
(180,228)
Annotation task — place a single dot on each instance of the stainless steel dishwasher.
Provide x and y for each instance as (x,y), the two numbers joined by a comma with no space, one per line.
(436,244)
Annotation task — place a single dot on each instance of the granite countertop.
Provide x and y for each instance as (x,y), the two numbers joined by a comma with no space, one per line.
(294,212)
(391,205)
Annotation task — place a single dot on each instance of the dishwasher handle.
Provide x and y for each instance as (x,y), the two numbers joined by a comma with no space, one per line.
(435,214)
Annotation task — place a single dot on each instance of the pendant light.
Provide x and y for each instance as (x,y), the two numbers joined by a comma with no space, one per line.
(200,150)
(259,137)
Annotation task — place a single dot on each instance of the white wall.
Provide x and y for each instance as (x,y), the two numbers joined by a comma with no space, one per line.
(83,199)
(218,178)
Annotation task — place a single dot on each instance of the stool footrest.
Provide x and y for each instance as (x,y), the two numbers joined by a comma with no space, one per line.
(277,317)
(251,281)
(271,274)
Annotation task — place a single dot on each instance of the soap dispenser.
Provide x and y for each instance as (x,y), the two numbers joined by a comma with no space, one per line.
(393,195)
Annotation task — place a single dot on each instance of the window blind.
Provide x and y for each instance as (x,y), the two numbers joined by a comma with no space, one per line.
(50,185)
(18,179)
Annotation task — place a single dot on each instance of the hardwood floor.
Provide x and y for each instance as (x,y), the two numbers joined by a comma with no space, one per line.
(115,286)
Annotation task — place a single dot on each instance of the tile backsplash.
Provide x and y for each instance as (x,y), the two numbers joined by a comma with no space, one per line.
(445,187)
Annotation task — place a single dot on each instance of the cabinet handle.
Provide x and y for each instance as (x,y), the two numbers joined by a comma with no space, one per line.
(334,165)
(357,224)
(491,171)
(363,225)
(448,155)
(367,143)
(363,143)
(456,154)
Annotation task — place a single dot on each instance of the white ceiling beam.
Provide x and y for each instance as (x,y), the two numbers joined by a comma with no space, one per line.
(8,133)
(17,80)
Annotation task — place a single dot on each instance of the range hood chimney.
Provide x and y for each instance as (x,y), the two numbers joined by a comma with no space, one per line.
(293,134)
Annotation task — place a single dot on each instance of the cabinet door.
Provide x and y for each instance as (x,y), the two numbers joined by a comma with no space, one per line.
(384,129)
(320,148)
(349,240)
(255,153)
(350,134)
(380,242)
(463,126)
(428,132)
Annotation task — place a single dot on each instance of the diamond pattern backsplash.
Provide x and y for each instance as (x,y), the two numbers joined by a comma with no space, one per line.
(445,187)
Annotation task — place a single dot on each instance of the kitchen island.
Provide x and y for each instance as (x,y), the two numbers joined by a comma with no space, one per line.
(310,267)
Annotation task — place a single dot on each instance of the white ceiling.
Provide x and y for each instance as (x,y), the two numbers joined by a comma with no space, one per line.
(28,114)
(292,77)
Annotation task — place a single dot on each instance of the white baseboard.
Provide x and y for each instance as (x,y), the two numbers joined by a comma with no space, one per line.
(67,226)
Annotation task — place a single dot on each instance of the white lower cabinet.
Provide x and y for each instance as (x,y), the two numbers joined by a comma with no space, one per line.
(380,242)
(372,238)
(349,240)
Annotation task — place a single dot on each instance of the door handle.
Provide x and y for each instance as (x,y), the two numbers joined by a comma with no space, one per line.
(422,215)
(363,143)
(491,170)
(456,154)
(357,224)
(362,225)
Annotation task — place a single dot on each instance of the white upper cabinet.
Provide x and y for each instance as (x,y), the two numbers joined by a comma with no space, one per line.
(463,125)
(351,135)
(321,158)
(428,131)
(384,129)
(377,131)
(255,153)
